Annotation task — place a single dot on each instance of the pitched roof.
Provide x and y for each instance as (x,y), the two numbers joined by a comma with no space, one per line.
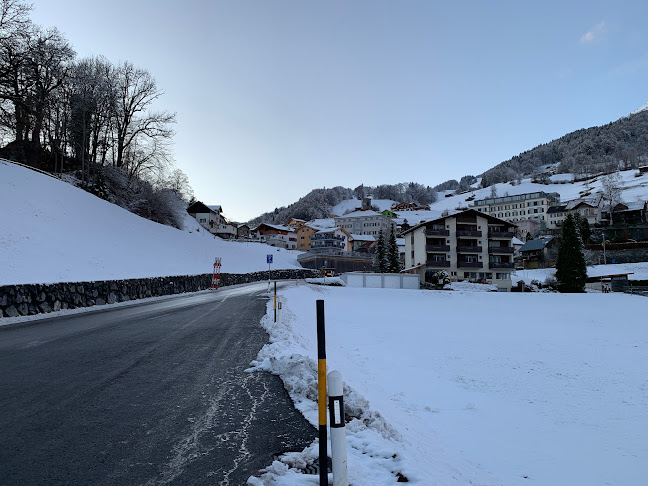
(199,207)
(537,244)
(491,219)
(361,214)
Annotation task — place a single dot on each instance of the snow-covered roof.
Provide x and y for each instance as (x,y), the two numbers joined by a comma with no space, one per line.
(278,227)
(361,214)
(322,223)
(214,207)
(363,237)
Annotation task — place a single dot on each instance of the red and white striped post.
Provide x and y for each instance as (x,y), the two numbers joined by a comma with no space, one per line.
(216,274)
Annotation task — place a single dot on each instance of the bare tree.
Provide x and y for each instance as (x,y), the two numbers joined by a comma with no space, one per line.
(48,66)
(135,124)
(611,192)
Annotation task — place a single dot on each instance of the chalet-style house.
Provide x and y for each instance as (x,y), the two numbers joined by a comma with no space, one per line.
(277,235)
(469,245)
(243,231)
(556,215)
(405,206)
(209,217)
(538,253)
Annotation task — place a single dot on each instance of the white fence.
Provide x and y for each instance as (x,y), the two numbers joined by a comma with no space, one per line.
(381,280)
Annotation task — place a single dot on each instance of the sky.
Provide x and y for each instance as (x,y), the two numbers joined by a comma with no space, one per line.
(276,98)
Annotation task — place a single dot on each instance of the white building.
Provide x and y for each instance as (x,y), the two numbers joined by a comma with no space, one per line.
(469,245)
(532,206)
(365,223)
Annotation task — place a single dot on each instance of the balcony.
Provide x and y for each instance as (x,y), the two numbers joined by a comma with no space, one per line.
(501,250)
(469,249)
(437,248)
(437,232)
(501,265)
(440,264)
(468,234)
(501,234)
(470,264)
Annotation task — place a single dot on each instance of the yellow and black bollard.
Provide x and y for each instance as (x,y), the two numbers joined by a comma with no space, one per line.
(321,395)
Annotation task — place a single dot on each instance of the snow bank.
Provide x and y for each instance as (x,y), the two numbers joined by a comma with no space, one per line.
(55,232)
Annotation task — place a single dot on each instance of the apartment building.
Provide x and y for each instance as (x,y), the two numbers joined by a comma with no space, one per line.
(337,238)
(532,206)
(365,223)
(470,245)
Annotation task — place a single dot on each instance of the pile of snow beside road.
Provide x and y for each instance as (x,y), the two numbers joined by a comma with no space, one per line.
(53,232)
(472,387)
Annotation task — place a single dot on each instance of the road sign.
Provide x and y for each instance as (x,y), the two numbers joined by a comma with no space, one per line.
(269,259)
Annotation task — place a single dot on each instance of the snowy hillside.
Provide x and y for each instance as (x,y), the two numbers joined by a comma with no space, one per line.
(54,232)
(634,189)
(351,205)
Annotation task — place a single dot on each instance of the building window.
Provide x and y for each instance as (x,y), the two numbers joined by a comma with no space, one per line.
(503,276)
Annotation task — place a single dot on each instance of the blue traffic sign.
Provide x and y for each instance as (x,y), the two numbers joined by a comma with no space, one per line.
(269,259)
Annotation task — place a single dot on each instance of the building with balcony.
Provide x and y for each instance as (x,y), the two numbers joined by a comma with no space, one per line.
(470,245)
(337,238)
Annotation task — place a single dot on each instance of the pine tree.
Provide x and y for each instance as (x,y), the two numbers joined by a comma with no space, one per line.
(393,255)
(571,271)
(380,261)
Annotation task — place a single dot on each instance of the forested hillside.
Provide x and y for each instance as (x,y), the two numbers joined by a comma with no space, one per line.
(620,144)
(318,202)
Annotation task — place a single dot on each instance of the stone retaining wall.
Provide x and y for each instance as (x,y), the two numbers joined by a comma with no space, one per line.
(628,255)
(31,299)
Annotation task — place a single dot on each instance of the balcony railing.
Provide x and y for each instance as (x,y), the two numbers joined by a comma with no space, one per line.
(437,232)
(501,265)
(503,250)
(501,234)
(472,234)
(440,264)
(470,264)
(469,249)
(440,248)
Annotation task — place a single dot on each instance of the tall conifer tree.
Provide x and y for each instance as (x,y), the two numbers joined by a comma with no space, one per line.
(380,262)
(571,271)
(393,259)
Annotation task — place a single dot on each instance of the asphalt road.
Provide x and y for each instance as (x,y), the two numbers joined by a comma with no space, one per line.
(146,394)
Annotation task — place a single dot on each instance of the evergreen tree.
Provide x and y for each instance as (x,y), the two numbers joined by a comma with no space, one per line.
(571,271)
(583,228)
(393,255)
(380,261)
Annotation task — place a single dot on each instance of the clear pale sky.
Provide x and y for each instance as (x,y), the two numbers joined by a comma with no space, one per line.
(276,98)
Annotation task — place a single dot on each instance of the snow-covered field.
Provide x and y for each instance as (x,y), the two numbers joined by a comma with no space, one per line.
(52,231)
(473,388)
